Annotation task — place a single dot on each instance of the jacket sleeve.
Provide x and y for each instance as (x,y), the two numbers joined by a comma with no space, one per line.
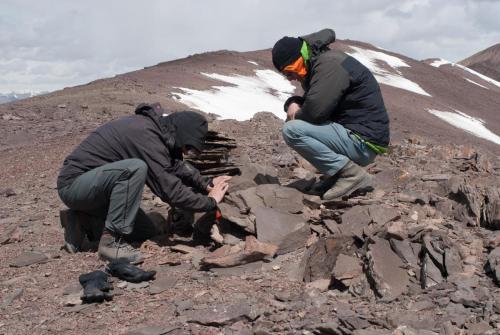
(328,84)
(164,181)
(190,175)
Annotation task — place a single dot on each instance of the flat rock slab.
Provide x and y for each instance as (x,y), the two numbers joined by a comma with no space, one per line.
(407,251)
(162,284)
(386,270)
(9,298)
(239,270)
(383,214)
(347,269)
(151,330)
(274,226)
(320,259)
(219,315)
(494,263)
(285,199)
(354,221)
(29,258)
(254,250)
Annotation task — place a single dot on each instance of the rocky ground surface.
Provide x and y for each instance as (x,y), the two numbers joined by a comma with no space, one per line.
(418,255)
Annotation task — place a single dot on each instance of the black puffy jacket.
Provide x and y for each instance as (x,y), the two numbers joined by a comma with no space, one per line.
(156,140)
(339,88)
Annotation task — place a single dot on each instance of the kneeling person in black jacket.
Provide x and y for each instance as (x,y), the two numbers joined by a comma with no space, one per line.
(105,175)
(340,123)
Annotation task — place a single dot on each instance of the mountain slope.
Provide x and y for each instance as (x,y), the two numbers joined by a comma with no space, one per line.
(486,62)
(441,103)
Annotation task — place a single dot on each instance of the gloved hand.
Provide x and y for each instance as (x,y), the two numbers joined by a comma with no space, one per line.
(296,98)
(95,287)
(128,272)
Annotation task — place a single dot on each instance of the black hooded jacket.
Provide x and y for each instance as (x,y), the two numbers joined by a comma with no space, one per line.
(155,139)
(339,88)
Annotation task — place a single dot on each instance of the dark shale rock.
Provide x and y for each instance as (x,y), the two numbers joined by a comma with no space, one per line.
(285,199)
(29,258)
(382,214)
(354,221)
(494,264)
(220,315)
(385,269)
(319,260)
(279,228)
(347,269)
(413,197)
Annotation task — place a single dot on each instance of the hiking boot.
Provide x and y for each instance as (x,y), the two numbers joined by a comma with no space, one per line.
(115,248)
(74,233)
(351,177)
(322,185)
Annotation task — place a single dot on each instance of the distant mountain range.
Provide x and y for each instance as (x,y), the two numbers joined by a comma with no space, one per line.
(486,62)
(13,96)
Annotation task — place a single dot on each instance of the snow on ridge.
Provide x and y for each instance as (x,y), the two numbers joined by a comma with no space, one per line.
(254,63)
(473,82)
(266,91)
(439,62)
(370,59)
(474,126)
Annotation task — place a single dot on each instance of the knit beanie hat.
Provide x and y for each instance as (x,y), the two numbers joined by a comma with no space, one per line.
(286,51)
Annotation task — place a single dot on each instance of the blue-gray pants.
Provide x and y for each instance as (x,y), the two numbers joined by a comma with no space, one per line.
(328,147)
(112,194)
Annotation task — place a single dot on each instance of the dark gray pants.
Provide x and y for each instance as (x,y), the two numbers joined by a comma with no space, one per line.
(111,195)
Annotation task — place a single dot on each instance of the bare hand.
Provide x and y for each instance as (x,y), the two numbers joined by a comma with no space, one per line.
(292,110)
(218,191)
(218,180)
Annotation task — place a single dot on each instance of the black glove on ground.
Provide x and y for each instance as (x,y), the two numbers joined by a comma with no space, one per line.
(95,287)
(128,272)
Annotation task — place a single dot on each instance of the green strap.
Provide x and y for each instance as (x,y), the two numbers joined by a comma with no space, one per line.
(304,51)
(378,149)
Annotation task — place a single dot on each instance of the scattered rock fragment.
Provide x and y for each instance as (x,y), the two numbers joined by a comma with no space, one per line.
(277,227)
(29,258)
(7,192)
(220,315)
(494,264)
(413,197)
(253,250)
(347,270)
(382,214)
(319,260)
(385,269)
(354,221)
(162,284)
(151,330)
(11,234)
(10,297)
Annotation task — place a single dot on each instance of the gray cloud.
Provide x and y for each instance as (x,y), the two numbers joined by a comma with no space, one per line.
(47,45)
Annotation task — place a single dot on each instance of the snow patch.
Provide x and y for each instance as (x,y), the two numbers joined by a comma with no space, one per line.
(468,123)
(439,62)
(371,59)
(473,82)
(266,91)
(254,63)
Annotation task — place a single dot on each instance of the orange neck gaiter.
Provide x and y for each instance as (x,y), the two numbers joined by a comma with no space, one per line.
(298,67)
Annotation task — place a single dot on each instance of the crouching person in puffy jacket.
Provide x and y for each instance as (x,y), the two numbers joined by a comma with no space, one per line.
(105,175)
(340,123)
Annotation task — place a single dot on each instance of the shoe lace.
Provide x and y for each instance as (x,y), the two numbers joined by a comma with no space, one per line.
(121,244)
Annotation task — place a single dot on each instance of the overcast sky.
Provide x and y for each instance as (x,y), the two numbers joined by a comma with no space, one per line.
(51,44)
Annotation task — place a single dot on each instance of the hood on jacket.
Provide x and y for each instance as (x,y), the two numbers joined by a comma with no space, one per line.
(319,41)
(191,129)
